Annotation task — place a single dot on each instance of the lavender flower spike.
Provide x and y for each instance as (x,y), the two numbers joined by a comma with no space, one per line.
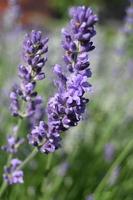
(66,107)
(34,54)
(11,174)
(34,50)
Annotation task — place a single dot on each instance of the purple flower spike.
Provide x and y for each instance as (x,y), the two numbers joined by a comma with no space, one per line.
(78,36)
(11,174)
(66,107)
(34,54)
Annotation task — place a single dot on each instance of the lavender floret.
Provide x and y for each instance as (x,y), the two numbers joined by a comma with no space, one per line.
(33,50)
(12,175)
(109,152)
(12,144)
(40,137)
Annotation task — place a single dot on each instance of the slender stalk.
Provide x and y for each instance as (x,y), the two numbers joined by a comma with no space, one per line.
(29,158)
(18,126)
(3,187)
(49,161)
(116,163)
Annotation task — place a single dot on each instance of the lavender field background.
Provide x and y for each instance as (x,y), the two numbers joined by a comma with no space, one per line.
(95,161)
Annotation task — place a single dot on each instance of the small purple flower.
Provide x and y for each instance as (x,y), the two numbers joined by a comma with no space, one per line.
(90,197)
(109,152)
(63,168)
(37,113)
(12,144)
(24,73)
(38,133)
(14,101)
(34,48)
(42,138)
(12,175)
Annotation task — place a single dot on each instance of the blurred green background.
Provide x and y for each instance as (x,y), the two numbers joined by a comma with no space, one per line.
(81,169)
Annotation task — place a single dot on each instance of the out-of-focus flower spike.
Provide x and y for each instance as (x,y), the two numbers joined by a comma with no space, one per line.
(11,174)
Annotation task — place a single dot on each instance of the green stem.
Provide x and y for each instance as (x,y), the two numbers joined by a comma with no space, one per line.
(49,161)
(116,163)
(30,156)
(3,187)
(18,127)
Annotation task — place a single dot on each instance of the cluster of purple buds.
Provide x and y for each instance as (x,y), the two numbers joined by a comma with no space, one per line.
(78,38)
(12,173)
(66,107)
(34,49)
(12,144)
(39,114)
(41,138)
(129,19)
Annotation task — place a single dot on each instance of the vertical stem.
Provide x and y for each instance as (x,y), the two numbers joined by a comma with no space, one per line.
(49,160)
(2,189)
(29,158)
(116,163)
(15,133)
